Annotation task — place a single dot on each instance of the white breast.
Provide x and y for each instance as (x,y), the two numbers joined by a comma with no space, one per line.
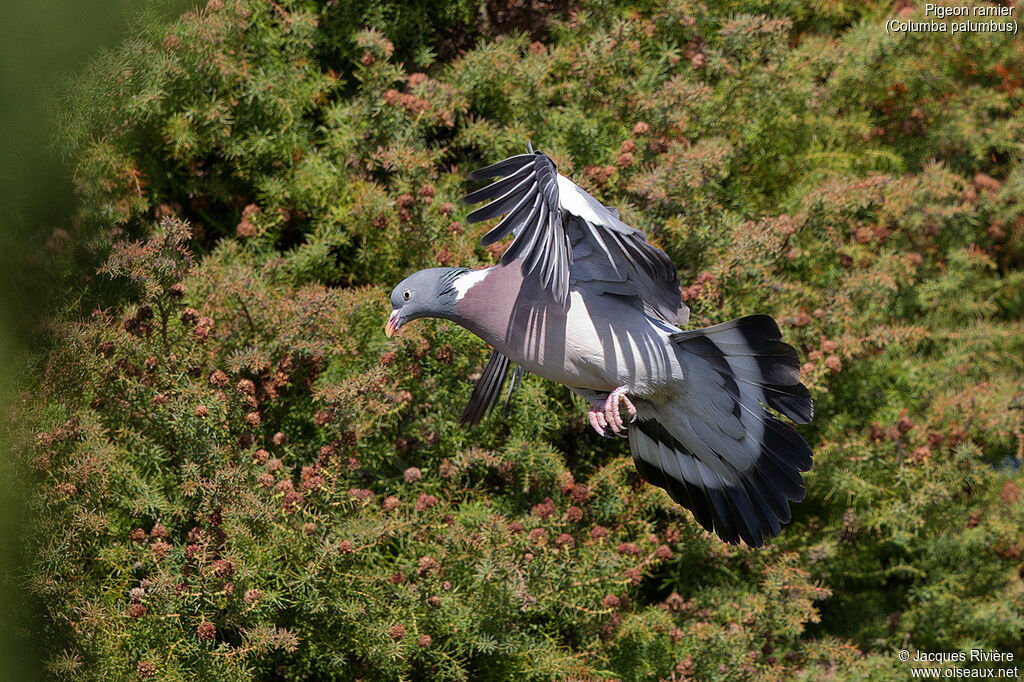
(614,346)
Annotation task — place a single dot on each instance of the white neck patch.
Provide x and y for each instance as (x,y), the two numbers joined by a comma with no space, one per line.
(468,280)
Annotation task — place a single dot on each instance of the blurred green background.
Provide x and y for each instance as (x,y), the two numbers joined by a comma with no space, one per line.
(41,44)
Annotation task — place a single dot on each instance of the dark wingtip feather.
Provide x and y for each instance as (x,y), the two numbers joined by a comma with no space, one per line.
(759,329)
(783,438)
(487,390)
(793,401)
(513,389)
(501,168)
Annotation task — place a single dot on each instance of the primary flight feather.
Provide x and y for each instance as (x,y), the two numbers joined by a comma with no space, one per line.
(583,299)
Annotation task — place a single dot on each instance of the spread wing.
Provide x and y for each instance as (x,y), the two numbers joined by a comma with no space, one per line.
(609,261)
(568,239)
(528,196)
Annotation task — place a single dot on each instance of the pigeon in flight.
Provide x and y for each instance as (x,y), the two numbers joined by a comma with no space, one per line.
(583,299)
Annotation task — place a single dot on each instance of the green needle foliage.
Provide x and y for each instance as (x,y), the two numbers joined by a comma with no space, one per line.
(232,474)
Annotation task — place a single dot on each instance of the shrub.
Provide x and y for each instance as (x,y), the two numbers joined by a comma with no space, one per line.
(233,474)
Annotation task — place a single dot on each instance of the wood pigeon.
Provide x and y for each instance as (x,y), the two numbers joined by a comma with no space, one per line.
(583,299)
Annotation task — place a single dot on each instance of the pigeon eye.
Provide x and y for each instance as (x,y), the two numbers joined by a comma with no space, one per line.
(406,294)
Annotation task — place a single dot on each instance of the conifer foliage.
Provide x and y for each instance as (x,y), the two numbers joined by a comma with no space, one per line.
(232,474)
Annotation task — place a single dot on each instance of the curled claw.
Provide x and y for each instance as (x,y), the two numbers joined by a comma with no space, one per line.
(611,409)
(598,421)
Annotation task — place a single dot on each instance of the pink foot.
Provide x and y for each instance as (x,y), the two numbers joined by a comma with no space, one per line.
(611,409)
(597,420)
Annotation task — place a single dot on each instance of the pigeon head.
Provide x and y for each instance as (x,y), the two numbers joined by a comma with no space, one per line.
(427,293)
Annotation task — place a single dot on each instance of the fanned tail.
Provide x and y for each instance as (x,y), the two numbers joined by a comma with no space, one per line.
(715,447)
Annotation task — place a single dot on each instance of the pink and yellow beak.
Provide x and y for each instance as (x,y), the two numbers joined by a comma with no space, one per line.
(392,326)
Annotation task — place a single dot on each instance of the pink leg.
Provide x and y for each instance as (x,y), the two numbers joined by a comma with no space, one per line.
(611,409)
(597,420)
